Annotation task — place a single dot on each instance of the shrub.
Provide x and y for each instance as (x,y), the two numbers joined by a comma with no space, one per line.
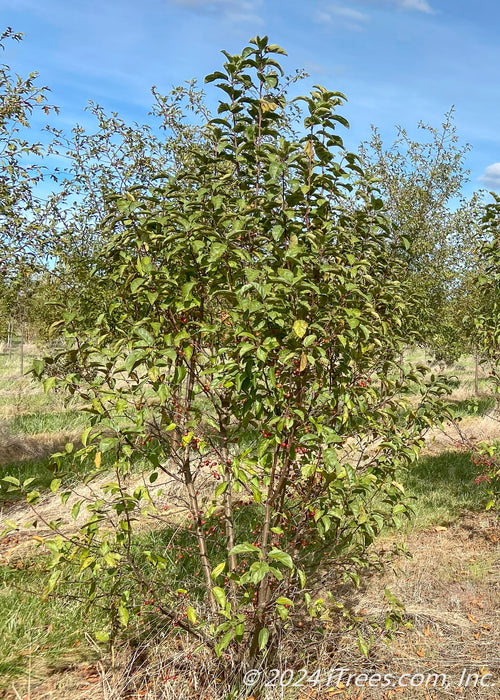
(248,367)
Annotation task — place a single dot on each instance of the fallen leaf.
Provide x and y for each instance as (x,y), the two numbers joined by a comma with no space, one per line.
(28,651)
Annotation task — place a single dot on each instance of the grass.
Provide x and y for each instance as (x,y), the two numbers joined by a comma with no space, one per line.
(34,628)
(45,422)
(44,470)
(38,469)
(442,487)
(26,412)
(476,406)
(16,403)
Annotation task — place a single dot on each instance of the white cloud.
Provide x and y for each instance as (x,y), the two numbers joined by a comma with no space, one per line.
(349,13)
(421,5)
(417,5)
(353,18)
(491,176)
(349,17)
(234,10)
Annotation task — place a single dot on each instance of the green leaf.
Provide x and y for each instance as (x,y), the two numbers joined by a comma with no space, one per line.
(48,384)
(226,639)
(133,359)
(217,250)
(33,497)
(282,557)
(363,646)
(221,488)
(54,578)
(330,458)
(11,480)
(218,570)
(191,613)
(102,636)
(274,48)
(54,485)
(219,596)
(136,283)
(244,548)
(187,288)
(85,435)
(106,444)
(246,347)
(300,328)
(263,638)
(258,571)
(215,76)
(123,615)
(145,335)
(38,366)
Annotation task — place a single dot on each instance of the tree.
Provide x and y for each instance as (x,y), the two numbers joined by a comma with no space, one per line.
(486,330)
(453,332)
(420,181)
(116,156)
(113,156)
(23,233)
(25,236)
(247,364)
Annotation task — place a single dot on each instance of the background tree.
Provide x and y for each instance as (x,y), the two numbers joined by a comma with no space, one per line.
(486,330)
(21,211)
(115,157)
(435,231)
(25,237)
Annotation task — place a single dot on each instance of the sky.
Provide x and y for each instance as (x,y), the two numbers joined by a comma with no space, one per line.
(397,61)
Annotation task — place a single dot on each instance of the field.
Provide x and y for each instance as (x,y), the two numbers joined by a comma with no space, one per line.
(447,578)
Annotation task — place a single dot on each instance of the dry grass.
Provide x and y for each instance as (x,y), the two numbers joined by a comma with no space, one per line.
(451,592)
(468,431)
(19,448)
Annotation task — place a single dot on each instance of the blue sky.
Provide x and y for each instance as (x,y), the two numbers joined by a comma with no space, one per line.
(398,61)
